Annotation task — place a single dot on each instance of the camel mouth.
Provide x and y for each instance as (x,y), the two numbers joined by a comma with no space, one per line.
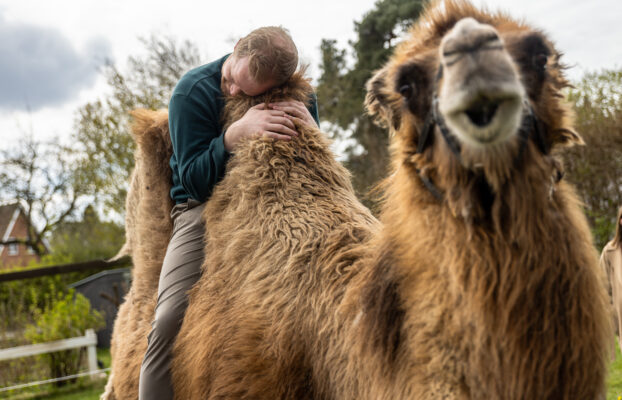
(482,111)
(483,117)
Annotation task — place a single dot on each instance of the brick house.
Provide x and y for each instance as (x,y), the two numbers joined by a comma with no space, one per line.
(14,225)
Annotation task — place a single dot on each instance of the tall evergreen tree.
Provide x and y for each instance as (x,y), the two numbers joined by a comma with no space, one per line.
(341,88)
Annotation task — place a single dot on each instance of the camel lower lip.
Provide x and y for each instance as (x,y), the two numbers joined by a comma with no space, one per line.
(486,139)
(484,122)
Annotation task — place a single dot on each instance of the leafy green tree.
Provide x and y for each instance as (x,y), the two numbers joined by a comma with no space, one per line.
(74,240)
(341,87)
(57,180)
(102,126)
(66,315)
(596,169)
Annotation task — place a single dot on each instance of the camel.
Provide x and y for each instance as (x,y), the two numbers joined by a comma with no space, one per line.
(148,227)
(148,224)
(480,282)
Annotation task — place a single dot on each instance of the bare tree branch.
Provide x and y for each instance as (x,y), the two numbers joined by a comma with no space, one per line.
(41,177)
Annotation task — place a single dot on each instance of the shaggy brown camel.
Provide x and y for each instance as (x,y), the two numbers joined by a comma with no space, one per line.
(147,234)
(148,227)
(481,283)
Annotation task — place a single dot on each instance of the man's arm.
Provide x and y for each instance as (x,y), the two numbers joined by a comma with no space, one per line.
(202,152)
(313,109)
(198,146)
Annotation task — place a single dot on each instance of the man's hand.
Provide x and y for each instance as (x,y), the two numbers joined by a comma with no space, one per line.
(295,110)
(260,121)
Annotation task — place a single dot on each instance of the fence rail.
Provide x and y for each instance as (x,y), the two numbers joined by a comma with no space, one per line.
(89,340)
(54,380)
(62,269)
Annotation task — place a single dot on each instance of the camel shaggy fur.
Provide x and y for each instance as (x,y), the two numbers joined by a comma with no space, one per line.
(148,227)
(482,281)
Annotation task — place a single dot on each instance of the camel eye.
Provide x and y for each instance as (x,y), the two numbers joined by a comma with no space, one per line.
(540,60)
(411,83)
(406,90)
(409,80)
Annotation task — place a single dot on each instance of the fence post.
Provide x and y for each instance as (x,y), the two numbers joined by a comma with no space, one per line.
(91,352)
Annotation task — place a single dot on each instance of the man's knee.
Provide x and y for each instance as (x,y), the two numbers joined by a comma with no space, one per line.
(168,321)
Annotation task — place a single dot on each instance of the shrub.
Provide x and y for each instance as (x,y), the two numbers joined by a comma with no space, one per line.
(66,315)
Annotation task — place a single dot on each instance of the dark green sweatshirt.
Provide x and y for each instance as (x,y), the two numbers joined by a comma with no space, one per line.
(199,155)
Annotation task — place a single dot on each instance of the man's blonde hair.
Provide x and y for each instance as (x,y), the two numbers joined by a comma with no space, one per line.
(271,52)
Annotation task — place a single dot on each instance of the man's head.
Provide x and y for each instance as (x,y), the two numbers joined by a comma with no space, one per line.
(263,59)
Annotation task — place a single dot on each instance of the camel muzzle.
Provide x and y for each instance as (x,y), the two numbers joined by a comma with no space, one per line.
(480,94)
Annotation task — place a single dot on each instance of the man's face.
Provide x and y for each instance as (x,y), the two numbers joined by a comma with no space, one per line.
(236,78)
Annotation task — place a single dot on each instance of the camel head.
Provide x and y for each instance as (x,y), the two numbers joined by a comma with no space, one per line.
(471,93)
(480,95)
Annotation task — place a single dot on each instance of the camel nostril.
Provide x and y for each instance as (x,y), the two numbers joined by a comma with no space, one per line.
(482,112)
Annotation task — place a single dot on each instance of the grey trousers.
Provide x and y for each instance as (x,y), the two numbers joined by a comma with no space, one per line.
(180,270)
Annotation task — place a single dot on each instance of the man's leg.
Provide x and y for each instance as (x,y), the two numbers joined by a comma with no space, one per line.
(180,270)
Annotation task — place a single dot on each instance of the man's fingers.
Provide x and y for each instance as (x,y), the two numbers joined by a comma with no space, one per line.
(299,112)
(298,120)
(284,120)
(295,111)
(260,106)
(281,129)
(287,104)
(275,135)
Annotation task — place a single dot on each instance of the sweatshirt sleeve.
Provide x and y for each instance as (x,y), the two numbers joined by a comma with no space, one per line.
(198,145)
(313,109)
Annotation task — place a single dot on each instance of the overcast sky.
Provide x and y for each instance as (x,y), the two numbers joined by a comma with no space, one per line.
(50,50)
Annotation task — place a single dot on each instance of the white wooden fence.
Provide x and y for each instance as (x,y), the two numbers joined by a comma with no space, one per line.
(89,340)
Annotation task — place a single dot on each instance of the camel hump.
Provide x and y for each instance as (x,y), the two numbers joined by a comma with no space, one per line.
(150,124)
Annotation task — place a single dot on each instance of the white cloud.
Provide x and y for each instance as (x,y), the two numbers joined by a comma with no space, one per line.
(40,67)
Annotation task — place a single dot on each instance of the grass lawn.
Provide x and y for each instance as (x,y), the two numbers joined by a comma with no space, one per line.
(84,389)
(614,381)
(80,391)
(87,390)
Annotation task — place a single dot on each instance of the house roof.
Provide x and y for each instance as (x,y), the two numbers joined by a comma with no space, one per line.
(6,214)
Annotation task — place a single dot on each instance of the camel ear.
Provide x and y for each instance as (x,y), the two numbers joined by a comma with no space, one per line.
(377,101)
(567,138)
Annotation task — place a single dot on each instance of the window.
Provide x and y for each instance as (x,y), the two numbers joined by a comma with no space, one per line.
(13,248)
(30,250)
